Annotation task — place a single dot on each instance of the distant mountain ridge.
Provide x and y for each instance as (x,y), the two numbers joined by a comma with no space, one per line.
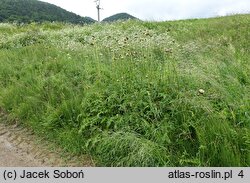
(26,11)
(119,17)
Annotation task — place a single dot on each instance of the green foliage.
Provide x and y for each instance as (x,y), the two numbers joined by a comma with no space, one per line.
(129,93)
(119,17)
(27,11)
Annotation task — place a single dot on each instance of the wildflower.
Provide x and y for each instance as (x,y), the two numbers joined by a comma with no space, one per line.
(168,50)
(201,91)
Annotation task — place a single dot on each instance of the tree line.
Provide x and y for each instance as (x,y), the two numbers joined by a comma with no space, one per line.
(26,11)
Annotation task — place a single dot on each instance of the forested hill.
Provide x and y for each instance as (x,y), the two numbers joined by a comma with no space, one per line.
(119,16)
(26,11)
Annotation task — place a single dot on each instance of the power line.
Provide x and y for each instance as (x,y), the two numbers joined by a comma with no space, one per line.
(98,7)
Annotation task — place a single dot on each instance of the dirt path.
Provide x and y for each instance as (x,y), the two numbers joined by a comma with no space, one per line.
(20,148)
(11,155)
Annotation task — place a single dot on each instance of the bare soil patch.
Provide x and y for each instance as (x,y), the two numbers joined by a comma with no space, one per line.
(19,147)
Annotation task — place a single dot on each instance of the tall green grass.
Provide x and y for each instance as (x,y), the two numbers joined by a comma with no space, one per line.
(127,93)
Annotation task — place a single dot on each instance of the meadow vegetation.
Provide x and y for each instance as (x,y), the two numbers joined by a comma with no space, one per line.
(133,93)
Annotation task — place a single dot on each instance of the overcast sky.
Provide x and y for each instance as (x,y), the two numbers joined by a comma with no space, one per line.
(156,9)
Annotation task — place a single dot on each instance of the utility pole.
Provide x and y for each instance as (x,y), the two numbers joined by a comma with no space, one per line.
(98,7)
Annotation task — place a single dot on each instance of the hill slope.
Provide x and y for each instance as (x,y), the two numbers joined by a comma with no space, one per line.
(119,16)
(134,93)
(36,11)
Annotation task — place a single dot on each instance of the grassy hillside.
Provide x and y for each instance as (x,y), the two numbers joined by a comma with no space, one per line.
(26,11)
(119,17)
(134,93)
